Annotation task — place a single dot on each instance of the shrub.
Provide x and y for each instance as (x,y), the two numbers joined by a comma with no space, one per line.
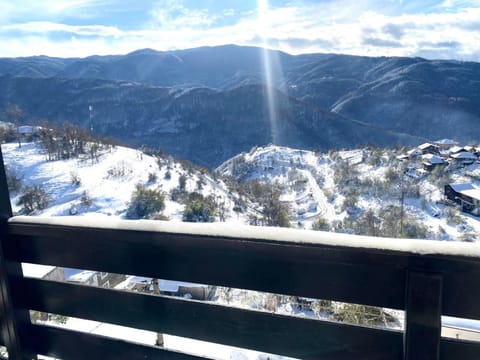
(75,179)
(321,225)
(119,171)
(152,178)
(452,216)
(392,175)
(322,306)
(468,237)
(362,314)
(59,319)
(178,195)
(200,184)
(86,200)
(145,202)
(199,209)
(415,230)
(182,182)
(33,198)
(13,180)
(330,195)
(275,212)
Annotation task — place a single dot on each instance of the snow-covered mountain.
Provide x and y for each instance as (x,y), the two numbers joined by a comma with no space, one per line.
(108,181)
(358,191)
(336,191)
(208,104)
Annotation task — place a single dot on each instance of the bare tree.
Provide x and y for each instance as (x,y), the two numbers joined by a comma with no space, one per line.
(15,112)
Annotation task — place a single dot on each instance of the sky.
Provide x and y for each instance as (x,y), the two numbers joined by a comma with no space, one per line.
(434,29)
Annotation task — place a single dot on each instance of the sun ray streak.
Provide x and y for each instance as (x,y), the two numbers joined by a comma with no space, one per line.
(263,26)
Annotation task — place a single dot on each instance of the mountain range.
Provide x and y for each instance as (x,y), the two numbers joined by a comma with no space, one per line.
(208,104)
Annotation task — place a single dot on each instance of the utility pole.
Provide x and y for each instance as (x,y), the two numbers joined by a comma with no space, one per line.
(90,112)
(156,291)
(402,202)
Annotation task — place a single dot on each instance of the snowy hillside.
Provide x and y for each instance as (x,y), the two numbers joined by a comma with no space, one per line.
(337,190)
(107,182)
(364,191)
(358,191)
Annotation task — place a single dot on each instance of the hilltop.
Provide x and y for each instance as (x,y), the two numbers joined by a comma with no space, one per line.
(104,186)
(360,191)
(363,191)
(214,101)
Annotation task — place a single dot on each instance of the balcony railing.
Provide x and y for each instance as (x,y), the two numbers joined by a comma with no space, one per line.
(426,279)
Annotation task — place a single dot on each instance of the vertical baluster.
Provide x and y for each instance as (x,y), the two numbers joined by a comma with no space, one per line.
(423,310)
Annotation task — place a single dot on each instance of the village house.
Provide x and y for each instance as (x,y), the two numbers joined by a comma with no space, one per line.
(456,149)
(445,144)
(95,278)
(414,154)
(430,161)
(172,288)
(43,272)
(428,148)
(466,195)
(464,158)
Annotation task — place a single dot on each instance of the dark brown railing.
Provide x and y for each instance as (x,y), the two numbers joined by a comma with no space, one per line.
(426,279)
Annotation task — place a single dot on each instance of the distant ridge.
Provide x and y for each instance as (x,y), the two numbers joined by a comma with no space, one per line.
(325,100)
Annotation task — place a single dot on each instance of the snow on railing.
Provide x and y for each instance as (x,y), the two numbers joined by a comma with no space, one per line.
(267,234)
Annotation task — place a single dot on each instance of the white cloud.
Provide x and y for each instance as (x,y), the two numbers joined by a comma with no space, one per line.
(370,27)
(171,14)
(45,27)
(30,10)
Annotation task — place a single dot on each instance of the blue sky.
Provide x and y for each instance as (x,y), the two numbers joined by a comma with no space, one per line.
(441,29)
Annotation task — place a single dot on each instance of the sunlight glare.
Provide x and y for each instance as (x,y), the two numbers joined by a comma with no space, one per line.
(263,27)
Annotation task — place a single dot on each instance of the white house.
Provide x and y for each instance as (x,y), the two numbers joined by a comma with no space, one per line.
(464,157)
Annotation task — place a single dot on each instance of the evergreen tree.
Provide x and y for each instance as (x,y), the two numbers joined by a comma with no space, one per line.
(145,203)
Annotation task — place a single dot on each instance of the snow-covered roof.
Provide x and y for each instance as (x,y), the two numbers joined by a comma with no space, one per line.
(5,125)
(456,149)
(166,285)
(467,324)
(472,193)
(28,129)
(462,187)
(414,152)
(467,189)
(36,271)
(425,146)
(464,155)
(433,159)
(262,234)
(83,276)
(445,142)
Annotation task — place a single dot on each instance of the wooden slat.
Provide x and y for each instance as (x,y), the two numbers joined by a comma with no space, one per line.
(372,277)
(278,268)
(74,345)
(423,313)
(271,333)
(452,349)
